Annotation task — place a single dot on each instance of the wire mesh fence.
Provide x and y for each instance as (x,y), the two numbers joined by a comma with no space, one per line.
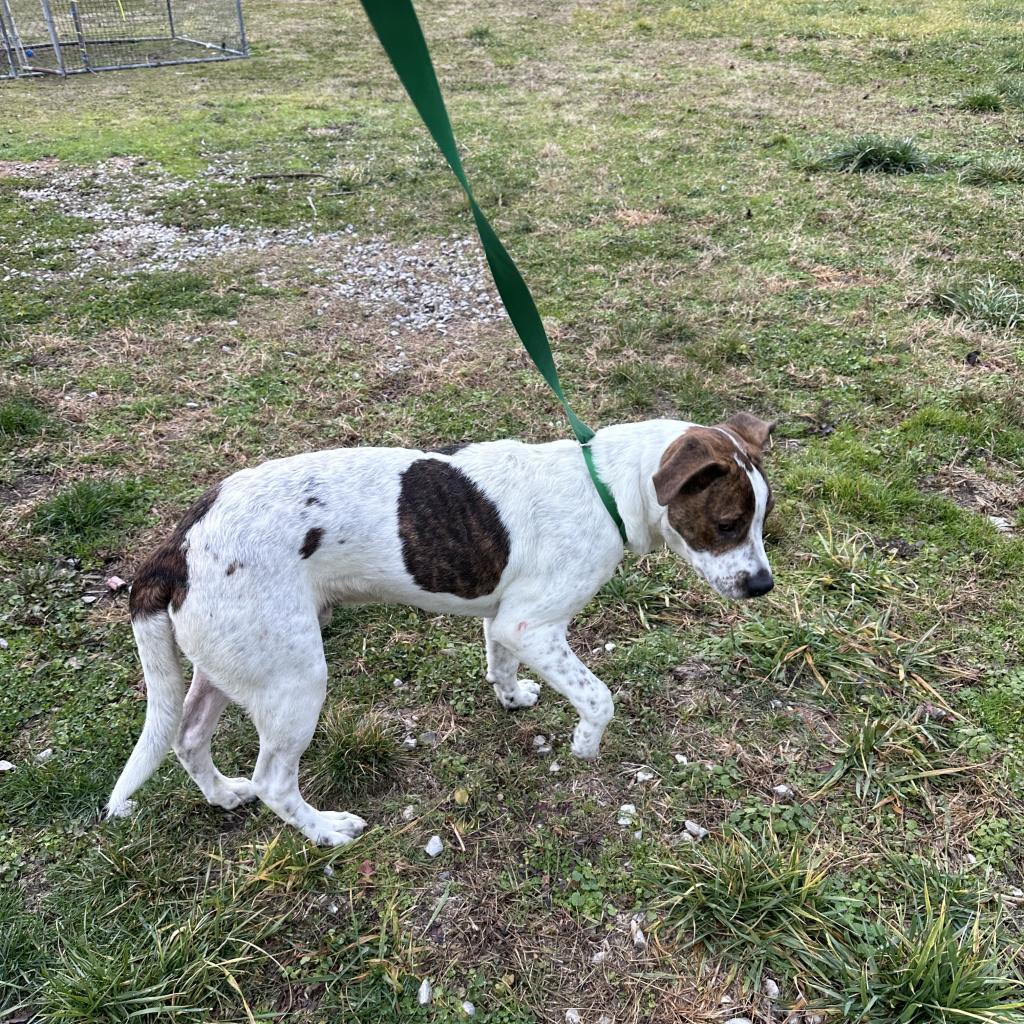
(66,37)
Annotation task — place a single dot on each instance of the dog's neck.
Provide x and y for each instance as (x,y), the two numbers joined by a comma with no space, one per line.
(627,456)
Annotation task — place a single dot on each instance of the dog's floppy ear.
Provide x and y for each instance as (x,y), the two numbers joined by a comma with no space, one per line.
(750,428)
(690,464)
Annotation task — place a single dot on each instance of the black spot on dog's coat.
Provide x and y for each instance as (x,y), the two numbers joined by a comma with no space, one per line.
(453,539)
(313,500)
(311,541)
(162,580)
(232,568)
(452,449)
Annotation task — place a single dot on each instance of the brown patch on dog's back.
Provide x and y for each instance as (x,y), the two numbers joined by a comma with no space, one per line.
(162,580)
(705,488)
(311,541)
(453,539)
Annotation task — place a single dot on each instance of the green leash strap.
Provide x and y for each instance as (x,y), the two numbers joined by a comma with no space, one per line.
(399,32)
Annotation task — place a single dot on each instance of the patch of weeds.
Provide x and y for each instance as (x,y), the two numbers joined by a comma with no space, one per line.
(755,818)
(21,947)
(988,302)
(981,103)
(749,901)
(354,753)
(479,34)
(871,750)
(847,565)
(20,417)
(999,705)
(1007,171)
(833,649)
(994,839)
(89,510)
(922,969)
(873,154)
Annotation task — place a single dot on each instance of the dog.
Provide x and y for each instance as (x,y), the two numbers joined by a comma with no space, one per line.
(513,533)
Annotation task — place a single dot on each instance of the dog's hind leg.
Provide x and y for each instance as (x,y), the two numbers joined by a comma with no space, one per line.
(285,709)
(204,703)
(502,673)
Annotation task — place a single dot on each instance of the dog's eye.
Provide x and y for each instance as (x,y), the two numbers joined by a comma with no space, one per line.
(728,527)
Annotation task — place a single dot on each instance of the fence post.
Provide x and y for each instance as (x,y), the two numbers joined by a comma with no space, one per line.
(54,38)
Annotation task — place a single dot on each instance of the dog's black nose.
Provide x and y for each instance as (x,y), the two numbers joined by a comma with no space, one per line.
(760,583)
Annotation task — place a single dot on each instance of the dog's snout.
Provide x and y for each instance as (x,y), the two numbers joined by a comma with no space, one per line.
(759,583)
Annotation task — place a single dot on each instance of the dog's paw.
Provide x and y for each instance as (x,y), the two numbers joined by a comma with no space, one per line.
(334,828)
(524,696)
(232,793)
(123,809)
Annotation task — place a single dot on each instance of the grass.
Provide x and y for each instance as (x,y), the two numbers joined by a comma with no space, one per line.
(987,301)
(870,154)
(982,103)
(853,743)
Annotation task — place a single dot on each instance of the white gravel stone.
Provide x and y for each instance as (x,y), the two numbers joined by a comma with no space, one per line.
(573,1016)
(739,1020)
(644,775)
(44,755)
(468,1008)
(328,871)
(695,830)
(409,743)
(408,812)
(609,647)
(783,792)
(627,812)
(771,989)
(426,992)
(554,767)
(6,766)
(636,933)
(682,759)
(434,846)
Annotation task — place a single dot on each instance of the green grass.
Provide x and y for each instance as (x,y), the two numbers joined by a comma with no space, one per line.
(982,103)
(853,742)
(870,154)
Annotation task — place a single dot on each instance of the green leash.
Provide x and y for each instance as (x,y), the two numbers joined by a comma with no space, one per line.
(400,34)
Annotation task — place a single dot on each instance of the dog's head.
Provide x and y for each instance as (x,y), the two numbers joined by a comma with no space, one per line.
(714,501)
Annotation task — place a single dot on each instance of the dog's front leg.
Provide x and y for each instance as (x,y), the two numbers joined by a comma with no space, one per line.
(502,672)
(545,649)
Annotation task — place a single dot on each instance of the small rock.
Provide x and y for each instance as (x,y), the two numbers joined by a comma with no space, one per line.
(43,756)
(685,837)
(573,1017)
(695,830)
(554,767)
(409,743)
(468,1008)
(408,812)
(971,859)
(225,348)
(725,1001)
(89,599)
(636,933)
(332,908)
(739,1020)
(6,766)
(682,759)
(1001,523)
(115,583)
(328,871)
(609,647)
(644,775)
(600,956)
(783,792)
(606,1018)
(434,846)
(541,745)
(428,738)
(426,992)
(3,644)
(771,989)
(814,1018)
(627,812)
(398,684)
(1015,892)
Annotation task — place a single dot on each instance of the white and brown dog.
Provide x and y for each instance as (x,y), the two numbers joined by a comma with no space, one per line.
(513,533)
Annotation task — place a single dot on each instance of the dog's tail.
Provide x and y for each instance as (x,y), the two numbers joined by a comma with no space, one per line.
(165,692)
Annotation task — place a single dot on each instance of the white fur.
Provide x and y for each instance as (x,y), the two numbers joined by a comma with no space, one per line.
(254,635)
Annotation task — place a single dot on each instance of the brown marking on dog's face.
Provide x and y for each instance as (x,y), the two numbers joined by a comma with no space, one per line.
(453,539)
(751,431)
(708,493)
(311,541)
(162,580)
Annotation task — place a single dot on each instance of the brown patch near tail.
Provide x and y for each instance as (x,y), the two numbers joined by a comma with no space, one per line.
(453,539)
(311,541)
(162,580)
(708,494)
